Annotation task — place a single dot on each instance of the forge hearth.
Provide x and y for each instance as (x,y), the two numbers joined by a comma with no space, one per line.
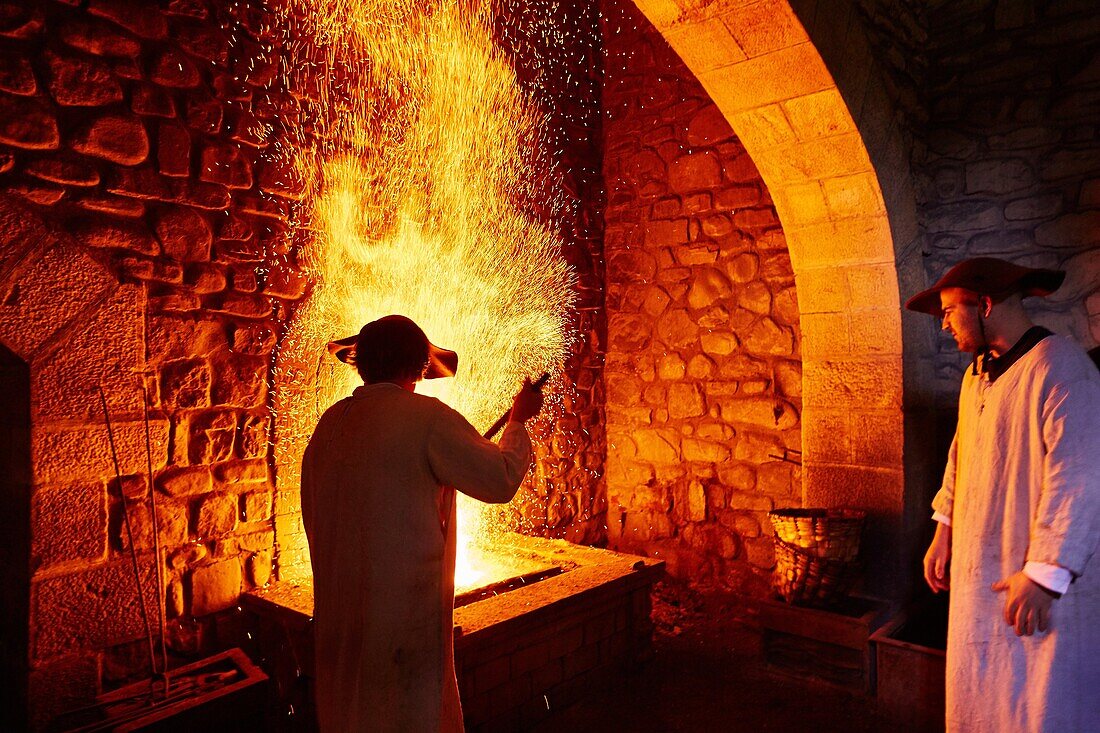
(521,655)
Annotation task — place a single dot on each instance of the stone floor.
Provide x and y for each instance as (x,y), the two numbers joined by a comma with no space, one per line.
(707,675)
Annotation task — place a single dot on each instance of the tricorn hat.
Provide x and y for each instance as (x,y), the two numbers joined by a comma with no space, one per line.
(987,276)
(441,362)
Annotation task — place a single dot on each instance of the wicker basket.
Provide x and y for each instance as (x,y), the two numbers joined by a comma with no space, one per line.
(829,534)
(805,579)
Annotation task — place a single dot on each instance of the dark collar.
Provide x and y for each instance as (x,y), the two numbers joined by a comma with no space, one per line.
(996,366)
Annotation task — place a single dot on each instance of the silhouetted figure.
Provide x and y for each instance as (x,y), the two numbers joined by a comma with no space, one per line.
(378,502)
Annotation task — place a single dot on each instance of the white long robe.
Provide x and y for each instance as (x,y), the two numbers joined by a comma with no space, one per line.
(1023,484)
(379,512)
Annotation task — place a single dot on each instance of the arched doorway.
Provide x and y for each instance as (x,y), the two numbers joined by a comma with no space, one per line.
(847,223)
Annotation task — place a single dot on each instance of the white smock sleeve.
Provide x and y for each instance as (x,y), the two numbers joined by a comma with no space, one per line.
(465,461)
(1067,523)
(943,504)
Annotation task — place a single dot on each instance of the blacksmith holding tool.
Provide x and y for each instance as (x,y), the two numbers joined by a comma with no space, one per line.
(378,501)
(1018,515)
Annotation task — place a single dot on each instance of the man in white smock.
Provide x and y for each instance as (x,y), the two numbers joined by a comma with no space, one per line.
(378,503)
(1018,514)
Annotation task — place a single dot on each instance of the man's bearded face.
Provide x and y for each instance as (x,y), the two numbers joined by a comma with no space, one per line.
(960,317)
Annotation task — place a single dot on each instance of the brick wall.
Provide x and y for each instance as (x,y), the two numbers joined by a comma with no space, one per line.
(703,367)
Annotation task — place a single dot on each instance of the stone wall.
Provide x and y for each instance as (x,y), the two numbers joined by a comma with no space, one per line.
(703,368)
(148,241)
(1011,163)
(556,48)
(145,245)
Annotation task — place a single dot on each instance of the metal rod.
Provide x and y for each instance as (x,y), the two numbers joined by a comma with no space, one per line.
(503,419)
(156,536)
(129,531)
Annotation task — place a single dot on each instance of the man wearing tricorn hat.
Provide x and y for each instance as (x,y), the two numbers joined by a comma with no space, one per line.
(378,503)
(1018,514)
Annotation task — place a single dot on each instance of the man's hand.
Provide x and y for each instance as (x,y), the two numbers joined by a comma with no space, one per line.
(1027,606)
(526,404)
(937,559)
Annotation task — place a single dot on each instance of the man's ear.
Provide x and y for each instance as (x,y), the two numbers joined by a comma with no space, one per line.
(985,305)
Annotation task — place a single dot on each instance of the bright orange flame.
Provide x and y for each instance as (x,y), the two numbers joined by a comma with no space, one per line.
(425,154)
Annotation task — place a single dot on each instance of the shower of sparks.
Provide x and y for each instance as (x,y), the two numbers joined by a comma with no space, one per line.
(422,180)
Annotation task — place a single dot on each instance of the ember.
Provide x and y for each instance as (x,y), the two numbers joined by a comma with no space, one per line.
(421,194)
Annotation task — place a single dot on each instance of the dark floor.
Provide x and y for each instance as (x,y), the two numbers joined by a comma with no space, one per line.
(707,674)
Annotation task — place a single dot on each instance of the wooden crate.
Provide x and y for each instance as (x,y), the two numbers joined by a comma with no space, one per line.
(829,646)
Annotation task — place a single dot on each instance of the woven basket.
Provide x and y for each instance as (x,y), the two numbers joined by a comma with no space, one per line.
(830,534)
(805,579)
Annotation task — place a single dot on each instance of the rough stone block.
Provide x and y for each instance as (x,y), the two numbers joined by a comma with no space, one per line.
(186,481)
(184,234)
(257,506)
(215,587)
(255,437)
(677,329)
(97,38)
(173,150)
(241,472)
(285,282)
(695,171)
(226,165)
(260,568)
(177,337)
(50,290)
(217,515)
(239,380)
(211,436)
(999,176)
(685,400)
(208,196)
(767,337)
(171,519)
(68,523)
(27,124)
(203,113)
(705,451)
(65,171)
(116,138)
(765,412)
(255,339)
(143,21)
(702,46)
(62,454)
(151,101)
(185,384)
(17,76)
(1070,231)
(93,609)
(103,349)
(788,73)
(172,69)
(764,27)
(281,178)
(77,82)
(866,383)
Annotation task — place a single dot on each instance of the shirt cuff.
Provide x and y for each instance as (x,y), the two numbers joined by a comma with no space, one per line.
(941,518)
(1052,577)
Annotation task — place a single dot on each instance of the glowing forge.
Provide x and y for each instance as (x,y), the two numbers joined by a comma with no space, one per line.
(420,184)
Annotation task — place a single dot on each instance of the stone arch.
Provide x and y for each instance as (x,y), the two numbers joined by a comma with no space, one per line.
(803,101)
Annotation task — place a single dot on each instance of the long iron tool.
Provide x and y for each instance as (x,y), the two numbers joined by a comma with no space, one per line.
(503,419)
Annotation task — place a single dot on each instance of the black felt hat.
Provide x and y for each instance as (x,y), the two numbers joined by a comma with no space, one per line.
(391,329)
(988,276)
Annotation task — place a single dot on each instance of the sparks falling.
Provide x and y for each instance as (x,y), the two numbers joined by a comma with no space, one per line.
(421,181)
